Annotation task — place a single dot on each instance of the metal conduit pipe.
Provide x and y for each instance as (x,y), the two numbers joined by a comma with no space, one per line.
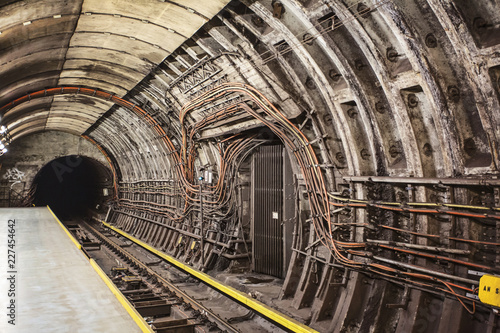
(185,233)
(424,180)
(232,256)
(421,247)
(427,271)
(319,259)
(230,242)
(148,180)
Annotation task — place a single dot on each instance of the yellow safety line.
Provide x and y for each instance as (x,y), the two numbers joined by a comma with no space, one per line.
(139,320)
(73,239)
(261,308)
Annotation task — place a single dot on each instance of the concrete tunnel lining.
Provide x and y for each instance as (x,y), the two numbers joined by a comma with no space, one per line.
(389,111)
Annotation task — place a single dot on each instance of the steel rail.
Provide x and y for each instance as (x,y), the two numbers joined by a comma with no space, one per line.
(262,309)
(138,319)
(188,299)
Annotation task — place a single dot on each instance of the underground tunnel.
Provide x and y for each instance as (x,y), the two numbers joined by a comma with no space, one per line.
(332,164)
(71,186)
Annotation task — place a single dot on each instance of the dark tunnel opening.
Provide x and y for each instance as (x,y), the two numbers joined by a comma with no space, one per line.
(71,186)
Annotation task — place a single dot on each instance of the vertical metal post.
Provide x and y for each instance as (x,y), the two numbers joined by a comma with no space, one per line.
(107,214)
(202,242)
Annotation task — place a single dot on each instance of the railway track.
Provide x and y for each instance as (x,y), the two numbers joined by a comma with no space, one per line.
(162,302)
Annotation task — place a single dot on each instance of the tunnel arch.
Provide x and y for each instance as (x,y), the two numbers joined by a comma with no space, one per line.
(71,185)
(399,100)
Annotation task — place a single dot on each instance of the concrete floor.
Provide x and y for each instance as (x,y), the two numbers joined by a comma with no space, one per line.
(57,290)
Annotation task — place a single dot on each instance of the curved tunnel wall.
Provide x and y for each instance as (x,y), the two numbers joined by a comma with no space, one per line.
(406,89)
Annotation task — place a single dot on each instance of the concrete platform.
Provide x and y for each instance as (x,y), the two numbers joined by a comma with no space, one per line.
(56,288)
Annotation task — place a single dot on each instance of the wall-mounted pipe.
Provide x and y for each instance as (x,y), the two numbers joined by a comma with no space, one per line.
(423,180)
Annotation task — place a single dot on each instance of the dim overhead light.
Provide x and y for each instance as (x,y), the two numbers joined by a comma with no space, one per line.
(57,16)
(27,23)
